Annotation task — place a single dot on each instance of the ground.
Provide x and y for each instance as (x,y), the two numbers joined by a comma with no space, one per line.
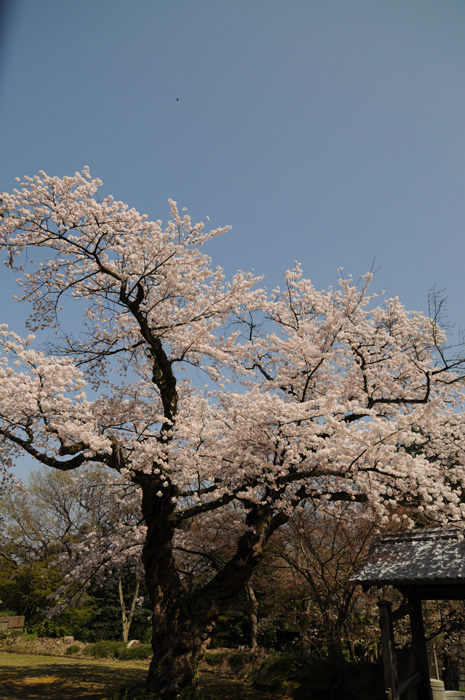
(28,677)
(35,677)
(41,669)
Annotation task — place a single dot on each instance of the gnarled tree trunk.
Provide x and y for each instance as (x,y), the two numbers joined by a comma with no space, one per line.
(183,620)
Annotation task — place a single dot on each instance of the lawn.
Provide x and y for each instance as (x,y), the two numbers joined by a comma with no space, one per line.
(31,677)
(27,677)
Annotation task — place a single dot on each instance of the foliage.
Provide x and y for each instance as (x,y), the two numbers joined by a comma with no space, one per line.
(143,651)
(47,628)
(45,524)
(215,658)
(107,649)
(231,629)
(103,620)
(73,649)
(26,588)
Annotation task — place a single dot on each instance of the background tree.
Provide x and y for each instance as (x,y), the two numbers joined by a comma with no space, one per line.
(324,545)
(329,392)
(49,526)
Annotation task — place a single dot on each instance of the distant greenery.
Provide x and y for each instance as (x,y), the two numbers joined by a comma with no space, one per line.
(117,650)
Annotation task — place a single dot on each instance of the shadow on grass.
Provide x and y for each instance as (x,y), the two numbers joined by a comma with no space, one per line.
(27,677)
(53,678)
(224,687)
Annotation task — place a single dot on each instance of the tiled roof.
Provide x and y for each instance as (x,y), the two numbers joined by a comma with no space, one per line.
(435,556)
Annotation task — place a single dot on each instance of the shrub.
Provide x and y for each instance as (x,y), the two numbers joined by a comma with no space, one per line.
(117,650)
(84,634)
(231,630)
(105,649)
(215,658)
(48,628)
(28,636)
(143,651)
(73,649)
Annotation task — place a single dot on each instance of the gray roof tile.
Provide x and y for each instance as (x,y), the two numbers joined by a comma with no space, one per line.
(434,556)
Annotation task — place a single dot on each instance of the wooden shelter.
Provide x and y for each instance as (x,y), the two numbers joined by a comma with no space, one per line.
(422,565)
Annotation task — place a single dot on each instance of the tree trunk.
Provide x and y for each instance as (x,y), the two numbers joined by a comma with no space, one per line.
(252,610)
(183,620)
(304,626)
(177,652)
(126,617)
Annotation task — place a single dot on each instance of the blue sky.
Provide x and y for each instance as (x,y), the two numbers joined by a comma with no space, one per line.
(327,131)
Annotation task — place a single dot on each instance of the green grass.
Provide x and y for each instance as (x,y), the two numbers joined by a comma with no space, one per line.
(27,677)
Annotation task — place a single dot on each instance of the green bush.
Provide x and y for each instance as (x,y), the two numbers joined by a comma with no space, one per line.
(49,628)
(143,651)
(105,649)
(84,634)
(28,636)
(117,650)
(231,630)
(215,658)
(73,649)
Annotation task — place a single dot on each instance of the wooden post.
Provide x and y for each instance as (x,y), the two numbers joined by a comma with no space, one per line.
(420,651)
(391,680)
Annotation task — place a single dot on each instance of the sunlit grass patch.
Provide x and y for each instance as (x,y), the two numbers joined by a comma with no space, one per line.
(27,677)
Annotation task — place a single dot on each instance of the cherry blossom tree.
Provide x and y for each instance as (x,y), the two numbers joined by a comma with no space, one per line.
(302,395)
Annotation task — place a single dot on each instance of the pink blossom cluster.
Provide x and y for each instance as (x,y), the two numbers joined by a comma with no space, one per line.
(303,394)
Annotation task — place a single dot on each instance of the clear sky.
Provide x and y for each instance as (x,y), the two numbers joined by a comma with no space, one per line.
(328,131)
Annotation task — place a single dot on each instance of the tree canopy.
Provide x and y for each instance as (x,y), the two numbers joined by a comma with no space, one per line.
(306,394)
